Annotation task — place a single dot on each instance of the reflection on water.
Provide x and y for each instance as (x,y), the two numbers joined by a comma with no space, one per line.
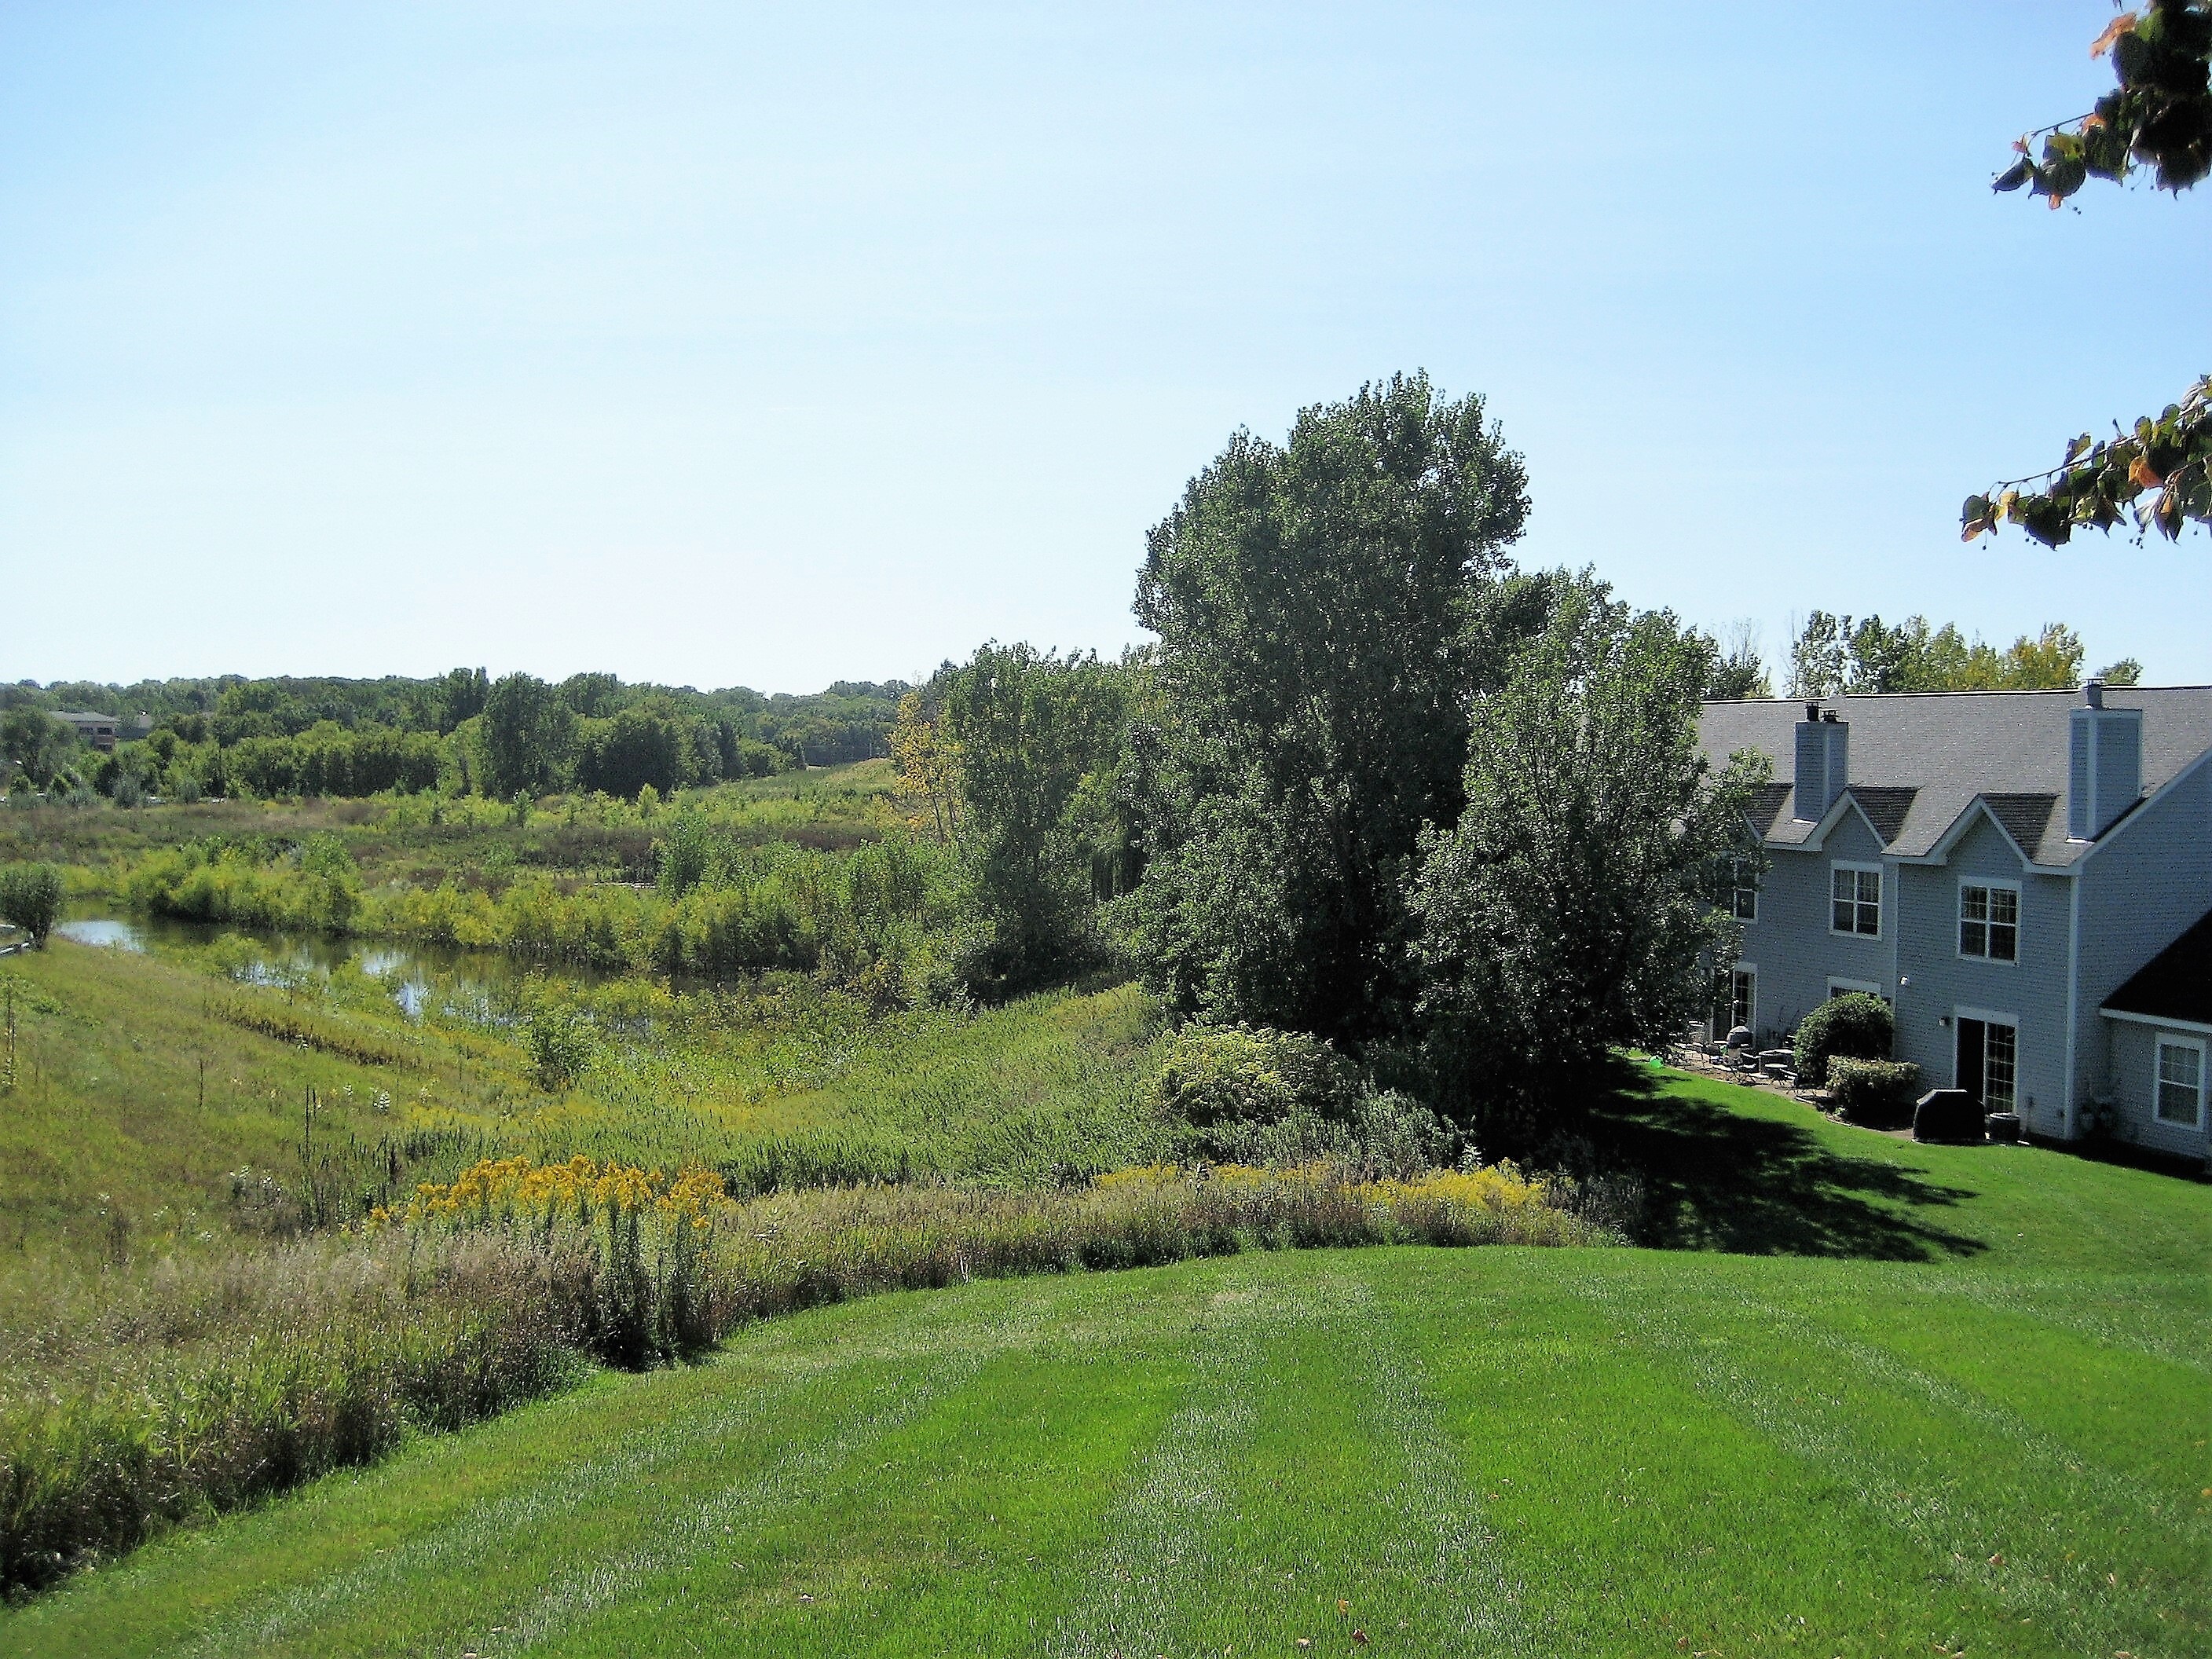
(101,930)
(472,985)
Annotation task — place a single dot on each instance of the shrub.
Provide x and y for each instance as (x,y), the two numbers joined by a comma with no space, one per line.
(1857,1024)
(1216,1076)
(1872,1091)
(561,1043)
(31,897)
(1398,1136)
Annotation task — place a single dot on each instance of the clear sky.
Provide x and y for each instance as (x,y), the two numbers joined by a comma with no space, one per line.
(718,345)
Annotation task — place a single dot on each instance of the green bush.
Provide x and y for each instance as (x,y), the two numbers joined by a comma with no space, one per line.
(1872,1091)
(1219,1075)
(31,897)
(561,1041)
(1857,1024)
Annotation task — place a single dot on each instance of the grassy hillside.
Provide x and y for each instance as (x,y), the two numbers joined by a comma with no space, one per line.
(143,1085)
(1941,1401)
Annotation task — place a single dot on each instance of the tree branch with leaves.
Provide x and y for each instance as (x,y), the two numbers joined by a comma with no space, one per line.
(2158,117)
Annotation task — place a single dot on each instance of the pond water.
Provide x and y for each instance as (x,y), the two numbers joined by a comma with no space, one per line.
(475,985)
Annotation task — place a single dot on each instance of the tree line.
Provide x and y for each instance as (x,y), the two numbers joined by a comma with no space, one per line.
(462,731)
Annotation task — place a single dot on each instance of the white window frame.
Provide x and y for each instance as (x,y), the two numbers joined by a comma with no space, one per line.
(1988,1017)
(1881,899)
(1745,890)
(2195,1045)
(1837,986)
(1988,884)
(1752,1021)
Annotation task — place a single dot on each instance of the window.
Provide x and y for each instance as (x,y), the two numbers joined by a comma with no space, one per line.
(1989,1059)
(1743,998)
(1747,891)
(1988,921)
(2180,1083)
(1837,986)
(1858,901)
(2000,1066)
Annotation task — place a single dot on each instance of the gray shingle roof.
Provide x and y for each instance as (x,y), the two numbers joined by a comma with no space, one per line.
(1919,760)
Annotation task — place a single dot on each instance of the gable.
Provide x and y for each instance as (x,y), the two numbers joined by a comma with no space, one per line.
(1982,846)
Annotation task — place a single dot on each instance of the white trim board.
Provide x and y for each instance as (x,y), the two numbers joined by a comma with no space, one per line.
(2019,924)
(2195,1026)
(1884,887)
(1987,1016)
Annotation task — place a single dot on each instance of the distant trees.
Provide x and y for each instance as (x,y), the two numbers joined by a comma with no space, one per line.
(1738,670)
(1834,653)
(461,695)
(1571,910)
(327,759)
(329,736)
(526,733)
(35,743)
(1316,605)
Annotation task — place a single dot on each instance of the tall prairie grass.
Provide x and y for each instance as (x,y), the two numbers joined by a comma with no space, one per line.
(131,1404)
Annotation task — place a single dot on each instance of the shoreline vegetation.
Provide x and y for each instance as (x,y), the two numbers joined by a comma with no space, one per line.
(134,1403)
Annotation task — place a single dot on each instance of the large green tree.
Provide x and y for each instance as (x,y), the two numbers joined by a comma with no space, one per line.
(1572,908)
(526,730)
(1319,608)
(1035,738)
(2158,117)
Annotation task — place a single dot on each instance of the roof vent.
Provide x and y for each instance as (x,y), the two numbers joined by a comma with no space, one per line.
(2093,693)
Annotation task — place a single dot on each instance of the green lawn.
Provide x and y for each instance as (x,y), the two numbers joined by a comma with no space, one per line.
(1927,1400)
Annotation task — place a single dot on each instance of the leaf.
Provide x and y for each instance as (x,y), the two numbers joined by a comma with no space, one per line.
(2123,24)
(2140,472)
(2015,175)
(2078,446)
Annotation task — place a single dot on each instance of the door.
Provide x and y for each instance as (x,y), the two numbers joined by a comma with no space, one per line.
(1973,1049)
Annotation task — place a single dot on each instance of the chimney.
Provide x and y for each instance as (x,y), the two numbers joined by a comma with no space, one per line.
(2104,764)
(1823,762)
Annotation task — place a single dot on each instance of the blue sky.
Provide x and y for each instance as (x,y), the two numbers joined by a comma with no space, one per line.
(771,347)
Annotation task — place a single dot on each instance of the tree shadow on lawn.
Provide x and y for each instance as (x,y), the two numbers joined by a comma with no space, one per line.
(1718,1180)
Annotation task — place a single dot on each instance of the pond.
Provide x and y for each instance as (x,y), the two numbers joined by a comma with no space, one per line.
(472,985)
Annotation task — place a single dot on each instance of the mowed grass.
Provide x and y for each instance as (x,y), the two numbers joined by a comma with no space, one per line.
(1965,1409)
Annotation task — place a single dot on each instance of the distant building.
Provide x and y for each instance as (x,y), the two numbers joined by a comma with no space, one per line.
(100,731)
(2025,877)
